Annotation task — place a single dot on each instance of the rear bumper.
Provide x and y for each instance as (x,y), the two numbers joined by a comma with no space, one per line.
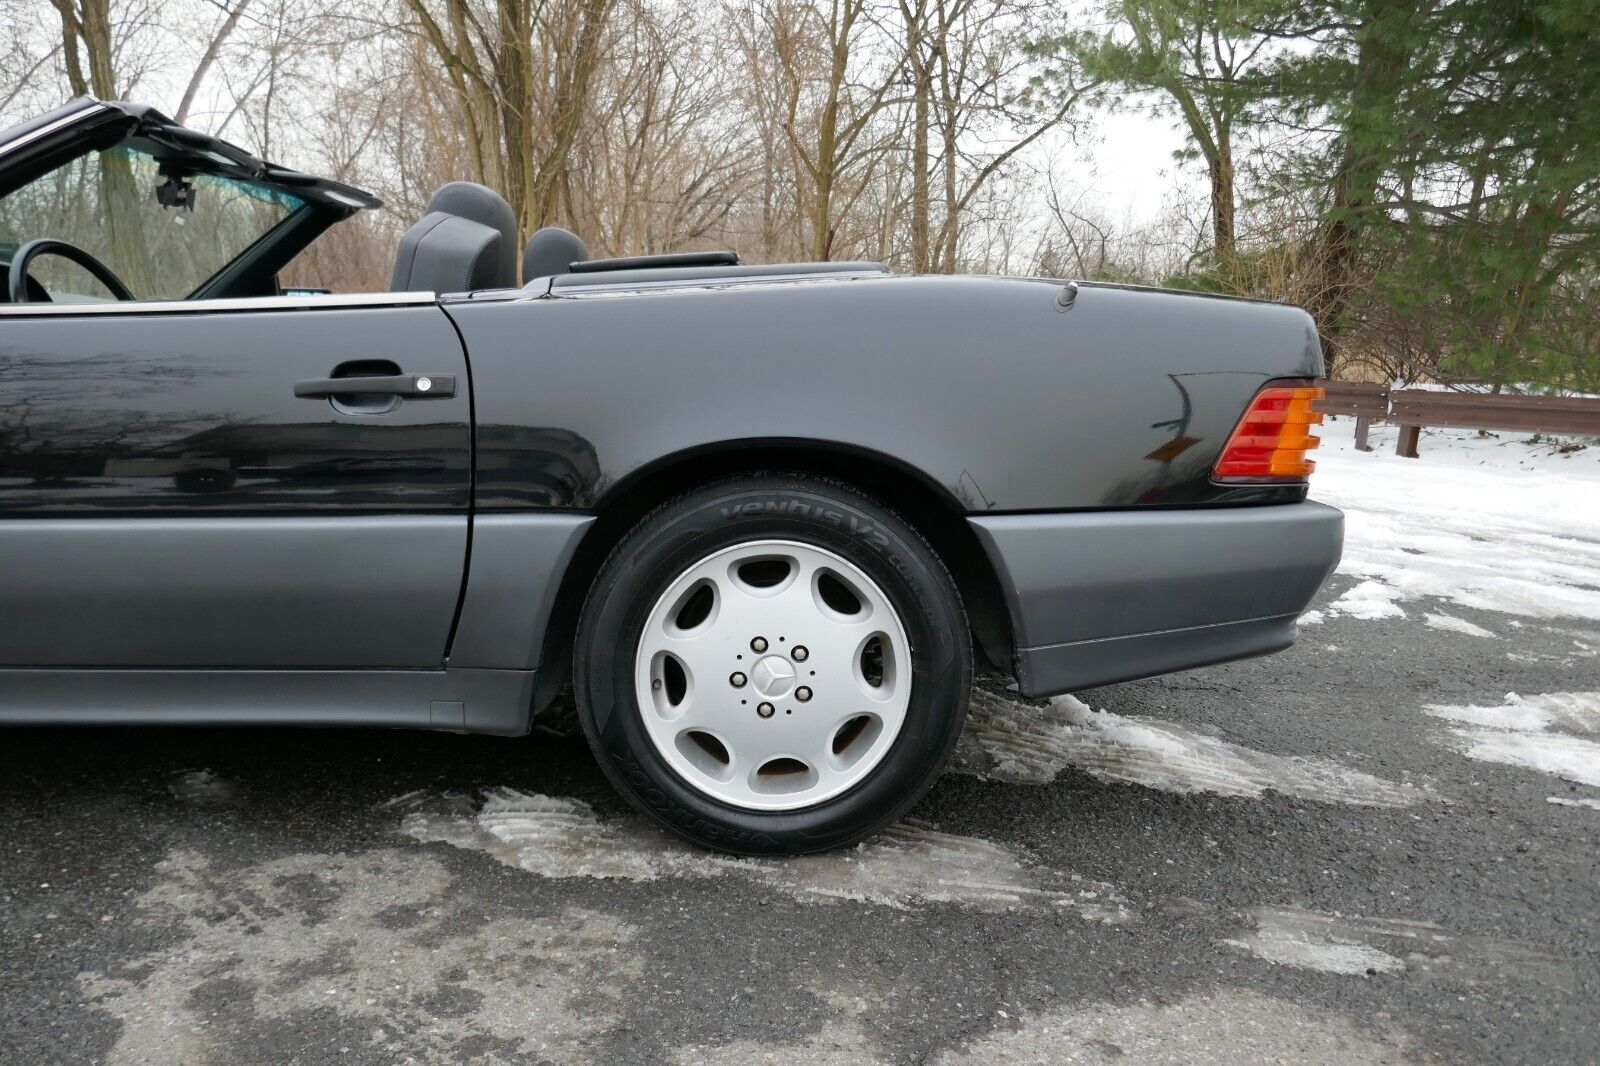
(1105,596)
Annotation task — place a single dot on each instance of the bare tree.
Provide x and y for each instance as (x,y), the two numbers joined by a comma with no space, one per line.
(972,86)
(662,160)
(520,74)
(838,70)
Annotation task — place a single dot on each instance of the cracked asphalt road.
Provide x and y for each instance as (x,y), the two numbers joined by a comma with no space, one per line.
(1356,888)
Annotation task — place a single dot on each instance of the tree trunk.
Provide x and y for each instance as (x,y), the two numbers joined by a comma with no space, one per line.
(828,133)
(86,35)
(213,48)
(1380,62)
(951,107)
(549,181)
(922,89)
(1222,204)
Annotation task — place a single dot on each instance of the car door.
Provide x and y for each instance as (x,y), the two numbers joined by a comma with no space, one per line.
(182,485)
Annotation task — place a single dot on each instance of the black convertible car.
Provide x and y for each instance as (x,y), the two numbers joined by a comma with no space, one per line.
(762,516)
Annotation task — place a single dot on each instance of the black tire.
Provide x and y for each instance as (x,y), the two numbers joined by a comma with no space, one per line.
(814,511)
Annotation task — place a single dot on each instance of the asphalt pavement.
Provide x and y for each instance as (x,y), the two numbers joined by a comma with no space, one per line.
(1291,859)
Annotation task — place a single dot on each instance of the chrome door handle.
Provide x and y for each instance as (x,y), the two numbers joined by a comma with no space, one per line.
(413,386)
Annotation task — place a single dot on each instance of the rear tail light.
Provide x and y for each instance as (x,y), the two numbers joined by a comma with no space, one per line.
(1271,440)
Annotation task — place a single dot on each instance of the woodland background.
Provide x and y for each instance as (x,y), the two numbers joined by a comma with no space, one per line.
(1422,175)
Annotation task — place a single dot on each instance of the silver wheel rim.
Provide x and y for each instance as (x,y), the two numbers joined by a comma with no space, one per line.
(773,675)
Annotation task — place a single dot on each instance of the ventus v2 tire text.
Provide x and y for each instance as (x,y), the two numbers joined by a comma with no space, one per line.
(773,664)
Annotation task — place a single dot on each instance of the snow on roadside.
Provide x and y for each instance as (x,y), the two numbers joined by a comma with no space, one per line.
(1548,733)
(1030,744)
(907,865)
(1489,523)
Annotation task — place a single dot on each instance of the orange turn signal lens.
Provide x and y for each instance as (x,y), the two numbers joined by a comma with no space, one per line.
(1271,440)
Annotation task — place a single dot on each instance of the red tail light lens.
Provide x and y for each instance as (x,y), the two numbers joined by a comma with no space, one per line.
(1271,440)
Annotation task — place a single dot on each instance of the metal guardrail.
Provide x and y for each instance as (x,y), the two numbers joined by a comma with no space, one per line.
(1367,402)
(1411,409)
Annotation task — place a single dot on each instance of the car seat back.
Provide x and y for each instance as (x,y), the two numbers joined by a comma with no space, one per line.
(466,241)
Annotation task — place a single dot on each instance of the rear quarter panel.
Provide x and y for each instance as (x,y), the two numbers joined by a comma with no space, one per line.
(986,386)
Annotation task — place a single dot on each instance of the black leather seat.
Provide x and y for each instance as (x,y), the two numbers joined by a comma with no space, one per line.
(467,240)
(552,250)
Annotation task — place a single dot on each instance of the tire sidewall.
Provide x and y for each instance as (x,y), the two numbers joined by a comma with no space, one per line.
(681,535)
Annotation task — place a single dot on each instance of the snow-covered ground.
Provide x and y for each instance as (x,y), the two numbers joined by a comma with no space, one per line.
(1548,732)
(1497,523)
(1492,523)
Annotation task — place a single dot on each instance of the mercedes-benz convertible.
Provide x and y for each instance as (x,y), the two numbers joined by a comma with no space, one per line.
(763,517)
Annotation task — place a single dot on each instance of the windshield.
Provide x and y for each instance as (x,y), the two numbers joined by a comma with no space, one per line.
(164,235)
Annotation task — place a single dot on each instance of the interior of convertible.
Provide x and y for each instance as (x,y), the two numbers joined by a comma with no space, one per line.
(114,202)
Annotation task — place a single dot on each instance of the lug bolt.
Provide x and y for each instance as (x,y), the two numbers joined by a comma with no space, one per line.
(759,644)
(765,710)
(802,694)
(737,679)
(799,654)
(655,684)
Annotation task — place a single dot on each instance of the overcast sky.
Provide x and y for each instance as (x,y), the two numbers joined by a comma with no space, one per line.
(1126,160)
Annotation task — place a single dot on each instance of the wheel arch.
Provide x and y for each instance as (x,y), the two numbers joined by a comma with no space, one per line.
(930,508)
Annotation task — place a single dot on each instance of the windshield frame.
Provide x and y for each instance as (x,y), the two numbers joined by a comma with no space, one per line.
(34,148)
(177,249)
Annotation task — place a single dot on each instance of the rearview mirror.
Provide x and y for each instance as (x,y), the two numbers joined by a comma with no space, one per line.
(175,193)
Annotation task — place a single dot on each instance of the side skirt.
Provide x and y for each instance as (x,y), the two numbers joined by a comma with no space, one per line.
(460,700)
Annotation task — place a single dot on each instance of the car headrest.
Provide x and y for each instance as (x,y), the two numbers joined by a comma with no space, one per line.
(485,207)
(552,250)
(481,204)
(447,253)
(466,241)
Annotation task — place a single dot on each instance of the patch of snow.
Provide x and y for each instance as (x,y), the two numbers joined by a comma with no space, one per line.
(907,865)
(1570,712)
(1565,757)
(1491,524)
(1356,946)
(1580,801)
(1029,744)
(1546,732)
(1450,623)
(1291,947)
(1312,618)
(1368,601)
